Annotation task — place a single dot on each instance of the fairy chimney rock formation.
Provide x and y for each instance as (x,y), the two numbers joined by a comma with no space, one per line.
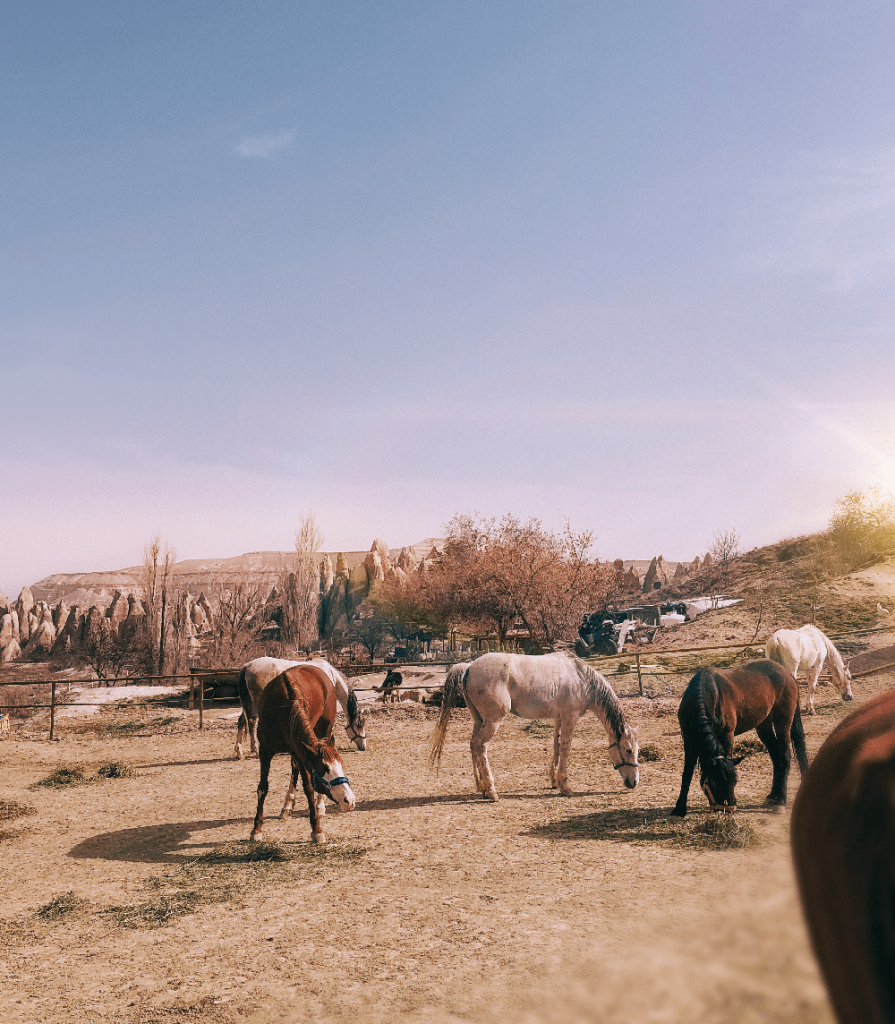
(341,565)
(406,560)
(202,602)
(6,631)
(118,610)
(707,561)
(680,572)
(695,566)
(381,548)
(11,652)
(41,640)
(326,575)
(375,568)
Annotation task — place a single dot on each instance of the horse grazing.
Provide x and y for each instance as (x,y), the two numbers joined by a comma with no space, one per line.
(534,686)
(843,835)
(256,674)
(719,704)
(803,651)
(296,715)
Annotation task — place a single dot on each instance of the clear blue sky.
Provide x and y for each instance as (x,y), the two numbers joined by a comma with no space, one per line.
(630,263)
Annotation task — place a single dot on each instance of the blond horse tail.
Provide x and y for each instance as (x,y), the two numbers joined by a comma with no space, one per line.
(454,683)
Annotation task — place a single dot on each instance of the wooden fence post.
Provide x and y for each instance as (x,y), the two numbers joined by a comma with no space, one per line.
(201,699)
(52,707)
(639,676)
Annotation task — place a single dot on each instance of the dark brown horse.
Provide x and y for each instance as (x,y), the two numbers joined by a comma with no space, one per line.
(296,714)
(719,704)
(843,841)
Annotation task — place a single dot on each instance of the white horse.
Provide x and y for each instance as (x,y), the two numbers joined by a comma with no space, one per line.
(803,651)
(535,686)
(256,674)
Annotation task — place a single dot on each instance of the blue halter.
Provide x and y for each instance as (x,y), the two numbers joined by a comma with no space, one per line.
(323,787)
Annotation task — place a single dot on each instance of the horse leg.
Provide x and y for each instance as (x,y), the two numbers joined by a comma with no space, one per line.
(777,742)
(289,803)
(479,747)
(567,725)
(253,732)
(317,835)
(554,763)
(680,808)
(257,828)
(477,723)
(241,728)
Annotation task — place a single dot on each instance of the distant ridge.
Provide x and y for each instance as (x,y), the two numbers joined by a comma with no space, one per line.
(193,574)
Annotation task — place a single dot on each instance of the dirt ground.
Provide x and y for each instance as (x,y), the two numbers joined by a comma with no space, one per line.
(427,905)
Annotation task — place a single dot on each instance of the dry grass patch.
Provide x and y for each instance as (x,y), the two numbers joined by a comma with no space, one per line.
(68,775)
(224,873)
(717,831)
(650,752)
(63,905)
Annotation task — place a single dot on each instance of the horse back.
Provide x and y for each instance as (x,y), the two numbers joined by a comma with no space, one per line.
(751,693)
(843,832)
(304,683)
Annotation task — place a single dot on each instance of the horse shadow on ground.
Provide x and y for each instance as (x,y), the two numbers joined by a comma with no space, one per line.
(168,843)
(632,825)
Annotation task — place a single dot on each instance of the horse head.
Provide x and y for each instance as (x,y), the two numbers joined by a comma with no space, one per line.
(844,685)
(328,776)
(355,727)
(627,749)
(718,779)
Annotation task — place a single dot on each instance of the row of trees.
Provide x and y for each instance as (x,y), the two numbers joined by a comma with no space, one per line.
(496,576)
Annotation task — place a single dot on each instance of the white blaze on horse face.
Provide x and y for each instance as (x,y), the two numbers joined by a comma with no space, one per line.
(342,792)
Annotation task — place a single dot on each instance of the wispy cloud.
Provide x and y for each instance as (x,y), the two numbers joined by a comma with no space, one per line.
(833,215)
(265,147)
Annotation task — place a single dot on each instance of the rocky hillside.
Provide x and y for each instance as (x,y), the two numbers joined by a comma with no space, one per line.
(196,575)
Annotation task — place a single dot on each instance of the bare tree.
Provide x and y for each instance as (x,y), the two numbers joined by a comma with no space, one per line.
(724,549)
(300,588)
(495,573)
(158,569)
(238,617)
(371,630)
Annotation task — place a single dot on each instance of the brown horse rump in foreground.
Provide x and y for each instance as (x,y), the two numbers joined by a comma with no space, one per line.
(843,842)
(296,714)
(719,704)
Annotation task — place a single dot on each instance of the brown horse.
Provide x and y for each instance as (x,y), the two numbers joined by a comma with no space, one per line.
(719,704)
(296,714)
(843,841)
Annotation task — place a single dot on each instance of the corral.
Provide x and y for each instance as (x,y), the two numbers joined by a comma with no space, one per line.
(138,899)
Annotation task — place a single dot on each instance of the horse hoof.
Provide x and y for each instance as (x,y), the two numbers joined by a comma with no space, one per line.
(775,808)
(256,837)
(491,795)
(285,815)
(565,791)
(676,813)
(318,837)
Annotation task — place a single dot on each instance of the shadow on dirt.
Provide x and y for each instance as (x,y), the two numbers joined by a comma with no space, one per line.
(155,844)
(636,825)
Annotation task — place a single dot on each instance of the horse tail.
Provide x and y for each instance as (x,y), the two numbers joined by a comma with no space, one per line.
(245,698)
(797,735)
(772,649)
(454,685)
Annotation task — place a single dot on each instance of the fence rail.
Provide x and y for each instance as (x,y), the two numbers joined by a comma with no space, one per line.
(202,674)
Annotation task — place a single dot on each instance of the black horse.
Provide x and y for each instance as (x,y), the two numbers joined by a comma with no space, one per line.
(719,704)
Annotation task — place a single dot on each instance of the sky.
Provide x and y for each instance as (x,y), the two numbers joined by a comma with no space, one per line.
(626,265)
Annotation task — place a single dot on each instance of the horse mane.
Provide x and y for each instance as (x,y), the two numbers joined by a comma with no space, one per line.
(696,718)
(834,655)
(300,731)
(602,695)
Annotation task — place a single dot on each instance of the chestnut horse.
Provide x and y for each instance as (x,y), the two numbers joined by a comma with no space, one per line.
(843,838)
(719,704)
(296,714)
